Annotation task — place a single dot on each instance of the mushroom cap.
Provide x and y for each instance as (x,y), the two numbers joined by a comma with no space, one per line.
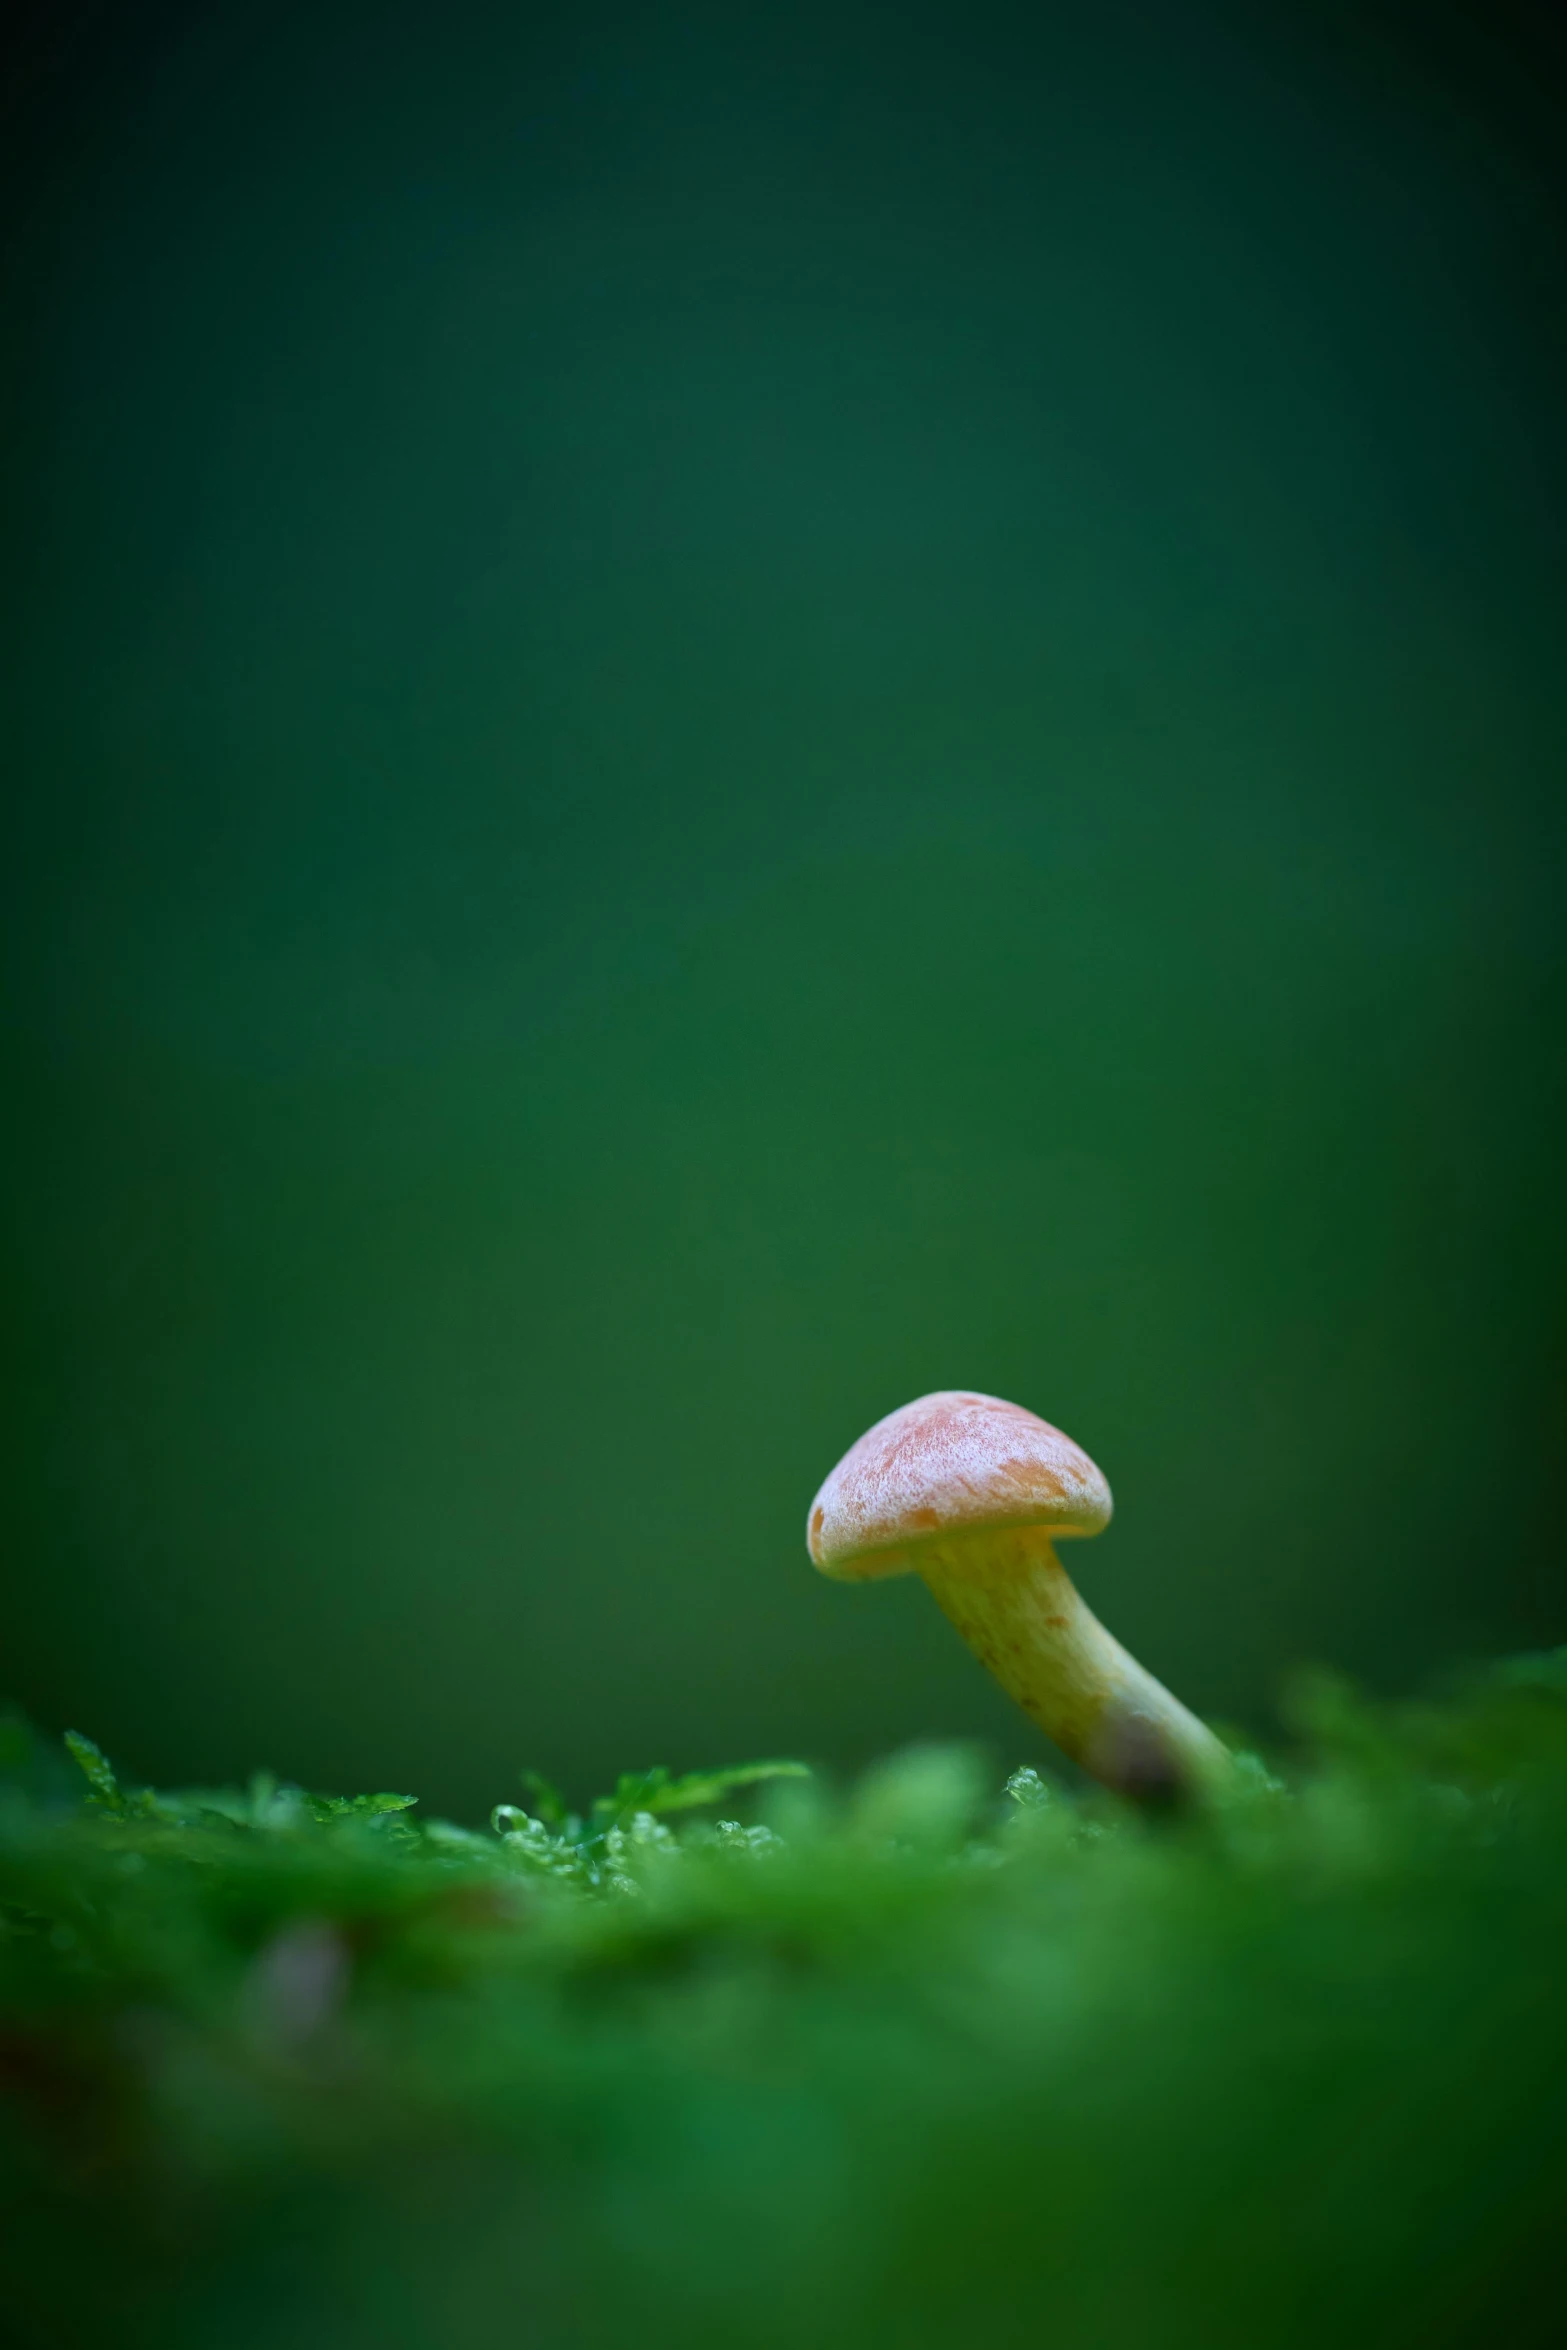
(946,1465)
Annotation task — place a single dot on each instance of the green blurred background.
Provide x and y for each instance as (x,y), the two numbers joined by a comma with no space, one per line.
(721,713)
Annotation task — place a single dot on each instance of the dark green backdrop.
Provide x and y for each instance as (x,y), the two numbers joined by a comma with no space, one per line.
(718,714)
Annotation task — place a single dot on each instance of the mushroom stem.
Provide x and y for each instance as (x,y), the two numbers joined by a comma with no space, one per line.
(1015,1605)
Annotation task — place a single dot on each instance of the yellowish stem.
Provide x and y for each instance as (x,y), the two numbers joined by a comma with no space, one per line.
(1016,1606)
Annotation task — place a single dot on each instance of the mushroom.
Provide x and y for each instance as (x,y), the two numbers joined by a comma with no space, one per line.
(974,1494)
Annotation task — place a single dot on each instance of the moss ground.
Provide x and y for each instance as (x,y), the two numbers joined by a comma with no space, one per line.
(923,2064)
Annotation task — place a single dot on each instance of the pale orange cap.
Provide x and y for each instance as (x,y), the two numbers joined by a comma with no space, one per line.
(950,1464)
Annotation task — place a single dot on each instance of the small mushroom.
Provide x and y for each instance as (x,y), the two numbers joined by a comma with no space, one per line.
(974,1494)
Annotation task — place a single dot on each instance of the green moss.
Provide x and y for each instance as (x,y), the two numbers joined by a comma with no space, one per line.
(919,2065)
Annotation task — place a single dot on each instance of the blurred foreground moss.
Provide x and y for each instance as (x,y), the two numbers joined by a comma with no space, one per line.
(923,2066)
